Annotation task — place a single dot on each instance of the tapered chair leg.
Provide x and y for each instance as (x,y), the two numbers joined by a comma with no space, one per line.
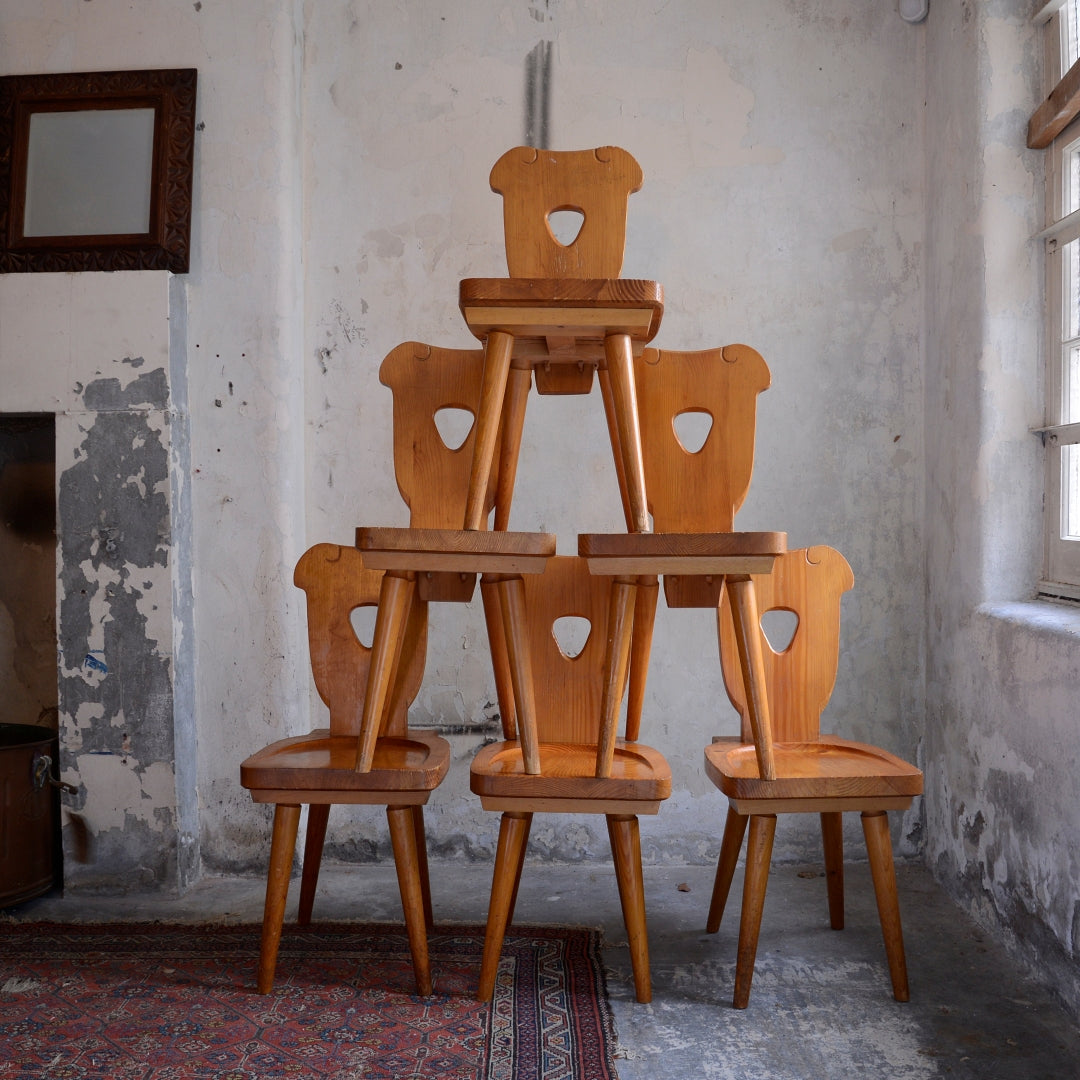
(497,352)
(518,384)
(832,840)
(500,658)
(318,814)
(282,848)
(513,835)
(734,831)
(879,850)
(758,856)
(406,860)
(626,853)
(517,874)
(641,645)
(422,863)
(620,366)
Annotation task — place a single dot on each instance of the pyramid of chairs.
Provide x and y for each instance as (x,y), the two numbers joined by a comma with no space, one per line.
(682,428)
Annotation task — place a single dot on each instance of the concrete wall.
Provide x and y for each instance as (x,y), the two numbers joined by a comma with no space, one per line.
(782,206)
(340,194)
(1003,795)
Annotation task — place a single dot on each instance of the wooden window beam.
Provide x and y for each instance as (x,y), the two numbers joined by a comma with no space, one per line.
(1056,112)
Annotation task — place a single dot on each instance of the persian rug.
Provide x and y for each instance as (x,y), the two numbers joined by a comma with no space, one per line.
(146,1001)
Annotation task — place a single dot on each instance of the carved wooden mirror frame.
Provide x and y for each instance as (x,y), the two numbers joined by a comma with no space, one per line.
(164,245)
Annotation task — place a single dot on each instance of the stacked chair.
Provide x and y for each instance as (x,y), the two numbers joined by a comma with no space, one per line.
(562,318)
(811,772)
(320,769)
(368,756)
(580,765)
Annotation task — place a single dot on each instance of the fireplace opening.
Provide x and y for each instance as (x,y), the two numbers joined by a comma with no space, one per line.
(28,666)
(29,715)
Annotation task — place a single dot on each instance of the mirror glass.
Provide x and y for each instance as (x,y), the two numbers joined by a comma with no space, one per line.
(88,173)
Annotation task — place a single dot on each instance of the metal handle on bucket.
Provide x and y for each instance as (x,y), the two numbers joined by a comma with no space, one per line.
(42,775)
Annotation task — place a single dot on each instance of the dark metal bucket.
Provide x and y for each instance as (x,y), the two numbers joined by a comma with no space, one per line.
(29,813)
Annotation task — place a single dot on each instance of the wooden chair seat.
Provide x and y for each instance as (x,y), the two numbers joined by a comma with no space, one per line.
(321,767)
(830,768)
(454,550)
(563,320)
(697,554)
(639,775)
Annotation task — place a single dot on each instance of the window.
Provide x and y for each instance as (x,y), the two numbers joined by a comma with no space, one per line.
(1062,238)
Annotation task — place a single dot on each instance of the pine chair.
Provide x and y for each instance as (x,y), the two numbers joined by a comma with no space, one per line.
(362,757)
(565,755)
(323,768)
(697,475)
(698,413)
(808,771)
(563,312)
(433,554)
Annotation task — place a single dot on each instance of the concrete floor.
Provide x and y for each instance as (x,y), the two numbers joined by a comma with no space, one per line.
(821,1005)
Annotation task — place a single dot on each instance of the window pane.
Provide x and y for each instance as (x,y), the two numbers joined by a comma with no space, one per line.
(1063,354)
(1071,186)
(1070,492)
(1070,385)
(1070,290)
(1070,39)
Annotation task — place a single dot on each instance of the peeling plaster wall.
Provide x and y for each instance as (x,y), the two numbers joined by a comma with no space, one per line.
(101,364)
(115,624)
(781,145)
(1003,794)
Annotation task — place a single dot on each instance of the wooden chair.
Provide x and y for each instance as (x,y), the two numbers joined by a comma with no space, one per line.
(695,489)
(362,757)
(324,768)
(563,313)
(433,554)
(698,413)
(810,772)
(565,756)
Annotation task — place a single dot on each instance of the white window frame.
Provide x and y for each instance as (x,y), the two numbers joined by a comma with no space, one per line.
(1062,553)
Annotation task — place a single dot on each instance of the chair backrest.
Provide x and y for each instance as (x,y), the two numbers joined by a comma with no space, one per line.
(432,476)
(568,688)
(336,583)
(698,489)
(799,680)
(537,183)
